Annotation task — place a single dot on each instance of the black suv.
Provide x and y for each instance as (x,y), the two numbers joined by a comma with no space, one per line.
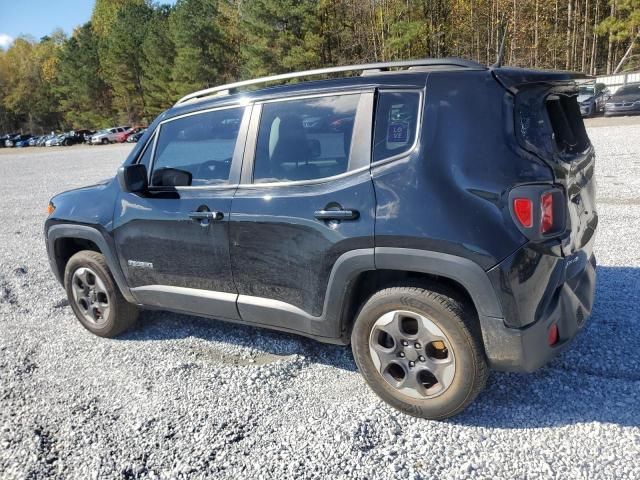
(437,214)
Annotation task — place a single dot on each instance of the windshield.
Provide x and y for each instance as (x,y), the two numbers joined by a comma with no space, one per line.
(586,90)
(633,88)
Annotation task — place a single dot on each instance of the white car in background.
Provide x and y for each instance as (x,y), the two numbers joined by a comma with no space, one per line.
(54,141)
(107,135)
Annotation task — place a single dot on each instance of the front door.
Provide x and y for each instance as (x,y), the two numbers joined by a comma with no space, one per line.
(173,242)
(306,197)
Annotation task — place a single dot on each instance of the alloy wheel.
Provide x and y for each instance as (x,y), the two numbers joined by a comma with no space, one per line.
(412,354)
(90,295)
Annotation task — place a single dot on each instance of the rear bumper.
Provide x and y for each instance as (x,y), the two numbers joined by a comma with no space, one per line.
(568,306)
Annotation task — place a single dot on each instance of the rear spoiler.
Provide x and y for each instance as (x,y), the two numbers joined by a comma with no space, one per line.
(513,79)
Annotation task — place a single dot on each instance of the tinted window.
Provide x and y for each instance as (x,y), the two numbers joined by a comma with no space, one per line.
(201,145)
(396,123)
(305,139)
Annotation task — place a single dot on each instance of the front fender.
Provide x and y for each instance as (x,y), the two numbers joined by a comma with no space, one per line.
(56,232)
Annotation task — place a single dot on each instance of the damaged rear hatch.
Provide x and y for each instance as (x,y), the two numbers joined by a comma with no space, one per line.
(548,124)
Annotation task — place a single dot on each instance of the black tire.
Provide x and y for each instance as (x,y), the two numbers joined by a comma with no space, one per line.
(458,323)
(122,315)
(105,141)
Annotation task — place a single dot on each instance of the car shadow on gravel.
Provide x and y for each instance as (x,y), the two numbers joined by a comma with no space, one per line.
(596,380)
(263,345)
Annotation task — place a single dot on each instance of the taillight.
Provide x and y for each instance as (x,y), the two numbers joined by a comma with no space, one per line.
(538,210)
(523,208)
(546,220)
(553,335)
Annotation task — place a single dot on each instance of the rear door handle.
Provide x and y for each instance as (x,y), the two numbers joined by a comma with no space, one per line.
(211,216)
(336,214)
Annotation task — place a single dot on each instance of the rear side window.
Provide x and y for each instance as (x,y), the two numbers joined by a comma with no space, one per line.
(200,146)
(396,123)
(305,139)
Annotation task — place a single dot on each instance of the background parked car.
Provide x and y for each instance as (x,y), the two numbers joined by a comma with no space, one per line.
(55,140)
(11,141)
(124,136)
(592,98)
(136,136)
(108,135)
(626,101)
(43,140)
(24,142)
(4,138)
(74,136)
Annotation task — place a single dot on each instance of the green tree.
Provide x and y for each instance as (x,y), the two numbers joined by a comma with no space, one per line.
(84,96)
(623,25)
(105,14)
(159,51)
(199,41)
(281,35)
(122,59)
(29,73)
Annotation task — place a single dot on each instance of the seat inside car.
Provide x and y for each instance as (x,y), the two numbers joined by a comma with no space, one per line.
(291,145)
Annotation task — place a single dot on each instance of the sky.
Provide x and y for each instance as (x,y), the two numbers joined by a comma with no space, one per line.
(40,17)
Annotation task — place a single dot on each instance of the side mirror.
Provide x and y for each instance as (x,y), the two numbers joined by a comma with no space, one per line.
(133,178)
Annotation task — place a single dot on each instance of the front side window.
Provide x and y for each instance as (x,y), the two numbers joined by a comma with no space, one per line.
(145,158)
(196,150)
(305,139)
(396,123)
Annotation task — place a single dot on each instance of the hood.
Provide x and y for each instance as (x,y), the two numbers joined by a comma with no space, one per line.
(624,97)
(94,186)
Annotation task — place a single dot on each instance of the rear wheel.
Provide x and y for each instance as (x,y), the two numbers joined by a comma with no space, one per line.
(418,349)
(95,298)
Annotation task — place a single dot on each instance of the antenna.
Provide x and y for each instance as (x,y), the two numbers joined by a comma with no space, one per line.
(500,57)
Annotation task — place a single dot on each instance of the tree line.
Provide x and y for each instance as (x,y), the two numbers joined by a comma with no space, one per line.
(134,58)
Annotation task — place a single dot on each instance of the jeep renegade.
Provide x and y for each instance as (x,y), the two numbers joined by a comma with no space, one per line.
(438,215)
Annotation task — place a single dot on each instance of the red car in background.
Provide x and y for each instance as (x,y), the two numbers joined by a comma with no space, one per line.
(122,136)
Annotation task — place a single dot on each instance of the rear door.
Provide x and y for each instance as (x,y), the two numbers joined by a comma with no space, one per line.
(173,242)
(306,197)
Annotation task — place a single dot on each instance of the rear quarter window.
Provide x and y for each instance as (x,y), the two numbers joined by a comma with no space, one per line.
(396,124)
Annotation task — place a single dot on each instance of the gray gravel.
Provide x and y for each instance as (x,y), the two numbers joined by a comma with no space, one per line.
(187,397)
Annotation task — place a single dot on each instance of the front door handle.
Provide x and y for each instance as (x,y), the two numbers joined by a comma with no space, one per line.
(204,216)
(336,214)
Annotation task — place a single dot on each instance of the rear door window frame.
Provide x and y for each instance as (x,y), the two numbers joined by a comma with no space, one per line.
(360,152)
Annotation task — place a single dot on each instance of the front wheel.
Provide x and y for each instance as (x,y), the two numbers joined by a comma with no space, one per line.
(419,350)
(94,296)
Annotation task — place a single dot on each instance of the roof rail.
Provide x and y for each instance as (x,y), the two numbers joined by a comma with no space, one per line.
(382,66)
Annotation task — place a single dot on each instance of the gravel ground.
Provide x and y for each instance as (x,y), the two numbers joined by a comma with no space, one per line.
(187,397)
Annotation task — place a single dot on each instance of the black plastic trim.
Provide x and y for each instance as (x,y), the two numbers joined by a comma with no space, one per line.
(84,232)
(462,270)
